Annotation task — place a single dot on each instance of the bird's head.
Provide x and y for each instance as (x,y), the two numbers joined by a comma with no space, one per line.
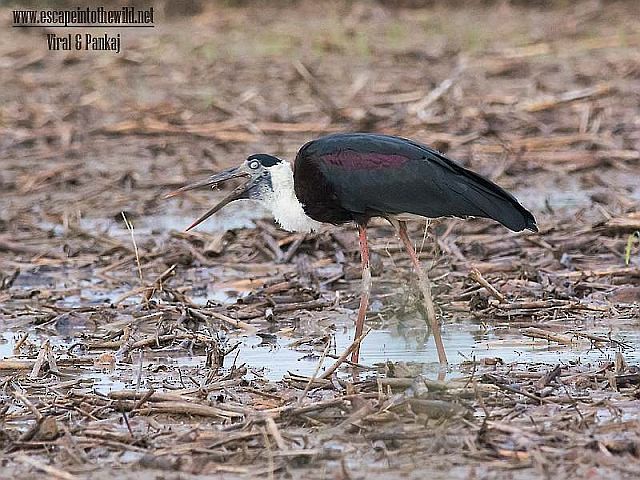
(257,171)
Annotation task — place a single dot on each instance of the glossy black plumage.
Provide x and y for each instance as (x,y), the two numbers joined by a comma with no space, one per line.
(353,177)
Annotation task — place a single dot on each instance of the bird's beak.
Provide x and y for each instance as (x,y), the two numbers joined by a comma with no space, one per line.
(214,181)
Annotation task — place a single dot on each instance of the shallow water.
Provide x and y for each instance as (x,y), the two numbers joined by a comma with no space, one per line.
(463,342)
(239,214)
(273,358)
(395,342)
(569,193)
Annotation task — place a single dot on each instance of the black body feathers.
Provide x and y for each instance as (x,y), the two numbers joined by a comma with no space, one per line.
(353,177)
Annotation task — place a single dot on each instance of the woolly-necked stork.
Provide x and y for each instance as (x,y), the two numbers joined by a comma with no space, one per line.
(353,177)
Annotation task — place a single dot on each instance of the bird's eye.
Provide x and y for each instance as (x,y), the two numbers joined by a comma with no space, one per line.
(254,164)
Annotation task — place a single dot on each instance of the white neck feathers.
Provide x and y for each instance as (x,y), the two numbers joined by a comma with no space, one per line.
(283,203)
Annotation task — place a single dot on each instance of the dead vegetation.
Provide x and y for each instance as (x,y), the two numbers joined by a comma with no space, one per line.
(130,358)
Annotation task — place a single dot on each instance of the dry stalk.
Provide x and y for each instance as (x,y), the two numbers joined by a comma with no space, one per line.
(129,226)
(477,277)
(315,373)
(53,471)
(330,371)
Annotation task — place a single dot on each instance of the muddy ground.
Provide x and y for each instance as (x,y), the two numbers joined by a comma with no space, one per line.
(154,353)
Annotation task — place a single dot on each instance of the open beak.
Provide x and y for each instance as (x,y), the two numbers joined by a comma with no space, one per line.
(214,181)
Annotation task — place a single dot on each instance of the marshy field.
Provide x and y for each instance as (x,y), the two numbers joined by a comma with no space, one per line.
(132,349)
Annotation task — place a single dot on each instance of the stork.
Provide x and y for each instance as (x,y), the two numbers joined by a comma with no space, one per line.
(354,177)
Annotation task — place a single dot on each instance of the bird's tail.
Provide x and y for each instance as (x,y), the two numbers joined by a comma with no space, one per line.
(496,203)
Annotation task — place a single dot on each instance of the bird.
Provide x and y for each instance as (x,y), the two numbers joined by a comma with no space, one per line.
(351,178)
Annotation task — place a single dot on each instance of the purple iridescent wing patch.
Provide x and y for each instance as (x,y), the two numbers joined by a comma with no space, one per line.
(352,160)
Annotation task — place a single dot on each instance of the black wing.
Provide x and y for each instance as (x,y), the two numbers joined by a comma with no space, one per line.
(363,175)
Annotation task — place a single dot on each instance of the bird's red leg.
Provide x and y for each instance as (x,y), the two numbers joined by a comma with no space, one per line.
(425,288)
(366,288)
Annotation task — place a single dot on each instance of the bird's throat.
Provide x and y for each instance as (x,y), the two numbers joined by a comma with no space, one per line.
(283,203)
